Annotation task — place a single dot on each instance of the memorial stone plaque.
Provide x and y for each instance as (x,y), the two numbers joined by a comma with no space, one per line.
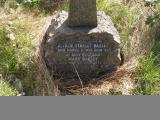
(74,49)
(82,52)
(83,55)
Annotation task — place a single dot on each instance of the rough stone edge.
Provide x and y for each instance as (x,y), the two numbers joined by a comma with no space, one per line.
(61,20)
(50,84)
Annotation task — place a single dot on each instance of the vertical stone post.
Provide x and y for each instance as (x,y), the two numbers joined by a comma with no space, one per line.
(82,13)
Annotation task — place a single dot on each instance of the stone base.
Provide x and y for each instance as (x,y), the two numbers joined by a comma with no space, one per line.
(82,51)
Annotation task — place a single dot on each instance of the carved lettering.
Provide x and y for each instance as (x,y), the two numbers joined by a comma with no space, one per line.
(81,51)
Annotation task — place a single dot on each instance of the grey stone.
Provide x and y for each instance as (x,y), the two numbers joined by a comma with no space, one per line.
(82,51)
(21,94)
(82,13)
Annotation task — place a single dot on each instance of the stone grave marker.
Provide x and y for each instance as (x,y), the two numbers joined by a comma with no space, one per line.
(82,13)
(84,43)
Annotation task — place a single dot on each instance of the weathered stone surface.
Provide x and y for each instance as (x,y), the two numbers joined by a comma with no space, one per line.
(82,13)
(83,51)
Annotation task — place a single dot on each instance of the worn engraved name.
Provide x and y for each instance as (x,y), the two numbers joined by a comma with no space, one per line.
(82,52)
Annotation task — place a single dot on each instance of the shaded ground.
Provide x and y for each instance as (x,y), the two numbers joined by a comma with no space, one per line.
(116,83)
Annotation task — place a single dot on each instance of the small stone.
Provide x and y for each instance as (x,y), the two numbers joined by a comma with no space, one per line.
(18,85)
(21,94)
(11,36)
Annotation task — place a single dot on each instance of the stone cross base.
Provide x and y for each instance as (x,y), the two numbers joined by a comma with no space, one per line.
(86,52)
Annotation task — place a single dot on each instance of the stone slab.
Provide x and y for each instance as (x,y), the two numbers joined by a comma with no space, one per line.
(86,51)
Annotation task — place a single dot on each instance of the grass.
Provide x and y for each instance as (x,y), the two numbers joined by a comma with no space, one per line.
(17,48)
(6,89)
(15,51)
(125,17)
(148,72)
(64,6)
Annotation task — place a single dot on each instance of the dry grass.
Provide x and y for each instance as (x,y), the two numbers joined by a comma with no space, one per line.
(142,37)
(45,81)
(119,81)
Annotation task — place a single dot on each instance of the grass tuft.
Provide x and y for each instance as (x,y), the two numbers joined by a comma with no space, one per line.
(17,48)
(148,73)
(124,16)
(6,89)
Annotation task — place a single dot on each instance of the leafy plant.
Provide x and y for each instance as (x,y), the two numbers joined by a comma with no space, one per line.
(2,2)
(154,5)
(30,3)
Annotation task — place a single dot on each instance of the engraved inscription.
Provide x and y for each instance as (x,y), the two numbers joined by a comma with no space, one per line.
(81,51)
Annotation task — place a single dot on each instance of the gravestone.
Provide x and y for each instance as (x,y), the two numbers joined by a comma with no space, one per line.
(82,46)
